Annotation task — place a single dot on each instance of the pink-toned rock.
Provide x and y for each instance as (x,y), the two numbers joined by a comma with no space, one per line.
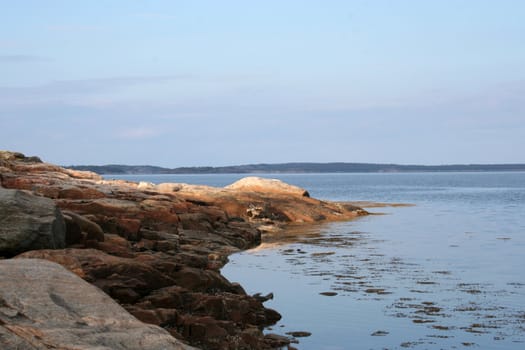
(74,192)
(267,186)
(44,306)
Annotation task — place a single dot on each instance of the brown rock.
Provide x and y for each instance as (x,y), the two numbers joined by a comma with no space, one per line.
(73,231)
(93,230)
(276,340)
(110,273)
(73,192)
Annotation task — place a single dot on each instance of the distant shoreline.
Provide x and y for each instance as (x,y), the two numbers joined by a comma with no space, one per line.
(295,168)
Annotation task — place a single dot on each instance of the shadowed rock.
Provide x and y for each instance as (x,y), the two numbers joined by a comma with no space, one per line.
(28,222)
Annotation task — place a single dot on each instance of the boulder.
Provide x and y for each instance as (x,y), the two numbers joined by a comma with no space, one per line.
(91,228)
(29,222)
(268,186)
(41,308)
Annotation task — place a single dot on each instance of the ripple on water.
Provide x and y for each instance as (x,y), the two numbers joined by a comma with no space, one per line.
(451,310)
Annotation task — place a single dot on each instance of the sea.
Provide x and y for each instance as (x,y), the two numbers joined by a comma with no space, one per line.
(446,271)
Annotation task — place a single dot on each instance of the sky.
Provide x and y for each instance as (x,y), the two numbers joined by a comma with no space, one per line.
(197,83)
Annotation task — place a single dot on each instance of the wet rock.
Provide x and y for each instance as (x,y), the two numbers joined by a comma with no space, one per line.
(263,298)
(379,333)
(379,291)
(41,308)
(299,334)
(276,340)
(29,222)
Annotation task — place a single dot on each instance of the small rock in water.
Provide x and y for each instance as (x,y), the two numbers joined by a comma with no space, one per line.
(328,294)
(323,254)
(298,334)
(276,340)
(263,298)
(376,291)
(422,320)
(379,333)
(441,328)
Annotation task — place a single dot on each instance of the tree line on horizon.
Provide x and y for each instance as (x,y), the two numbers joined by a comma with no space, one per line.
(296,168)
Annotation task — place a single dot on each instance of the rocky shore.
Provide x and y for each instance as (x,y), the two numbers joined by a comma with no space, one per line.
(155,250)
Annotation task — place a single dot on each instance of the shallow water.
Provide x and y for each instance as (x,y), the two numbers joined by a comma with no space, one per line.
(446,273)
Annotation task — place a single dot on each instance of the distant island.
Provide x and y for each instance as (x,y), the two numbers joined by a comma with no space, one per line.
(297,168)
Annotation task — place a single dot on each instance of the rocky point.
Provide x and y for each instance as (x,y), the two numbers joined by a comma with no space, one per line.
(156,250)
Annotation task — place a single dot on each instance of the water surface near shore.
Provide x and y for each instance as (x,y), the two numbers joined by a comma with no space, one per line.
(445,273)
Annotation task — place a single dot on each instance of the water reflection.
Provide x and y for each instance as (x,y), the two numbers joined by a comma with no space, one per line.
(347,287)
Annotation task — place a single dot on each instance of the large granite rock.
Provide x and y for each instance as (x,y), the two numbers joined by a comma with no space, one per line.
(44,306)
(29,222)
(267,186)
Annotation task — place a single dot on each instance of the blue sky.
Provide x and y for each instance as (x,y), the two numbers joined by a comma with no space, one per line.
(182,83)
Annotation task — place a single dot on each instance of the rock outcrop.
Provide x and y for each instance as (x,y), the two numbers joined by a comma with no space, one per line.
(29,222)
(267,186)
(158,249)
(44,306)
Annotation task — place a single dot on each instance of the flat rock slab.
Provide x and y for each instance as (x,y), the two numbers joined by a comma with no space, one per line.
(44,306)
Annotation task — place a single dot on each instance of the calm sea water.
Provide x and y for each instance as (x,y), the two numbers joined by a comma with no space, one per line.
(446,273)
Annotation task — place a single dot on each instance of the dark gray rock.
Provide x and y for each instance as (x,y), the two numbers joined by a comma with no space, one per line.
(29,222)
